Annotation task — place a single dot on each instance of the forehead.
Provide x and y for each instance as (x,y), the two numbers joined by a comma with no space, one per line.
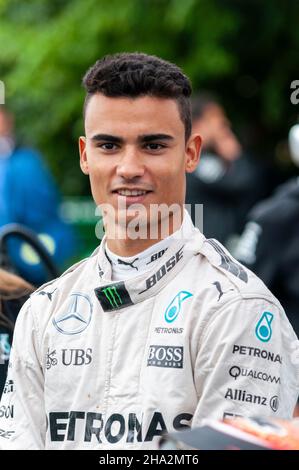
(121,115)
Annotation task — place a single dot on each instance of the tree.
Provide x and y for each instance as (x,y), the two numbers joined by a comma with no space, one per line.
(237,48)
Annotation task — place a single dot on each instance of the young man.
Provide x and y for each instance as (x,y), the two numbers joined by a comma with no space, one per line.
(148,334)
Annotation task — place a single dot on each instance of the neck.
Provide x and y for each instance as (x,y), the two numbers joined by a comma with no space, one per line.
(128,246)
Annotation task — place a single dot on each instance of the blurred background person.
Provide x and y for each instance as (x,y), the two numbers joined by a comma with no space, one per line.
(227,181)
(14,291)
(269,245)
(28,196)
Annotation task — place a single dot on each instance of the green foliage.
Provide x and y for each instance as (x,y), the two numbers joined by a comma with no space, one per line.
(47,45)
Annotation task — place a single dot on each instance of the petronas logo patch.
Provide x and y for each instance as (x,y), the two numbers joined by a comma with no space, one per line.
(263,328)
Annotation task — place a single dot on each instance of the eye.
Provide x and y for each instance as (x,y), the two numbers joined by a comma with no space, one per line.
(108,146)
(154,146)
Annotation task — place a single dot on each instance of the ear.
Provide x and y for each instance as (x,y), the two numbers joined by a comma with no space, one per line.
(83,157)
(193,148)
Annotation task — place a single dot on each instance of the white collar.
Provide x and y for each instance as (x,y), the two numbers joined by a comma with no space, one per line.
(124,268)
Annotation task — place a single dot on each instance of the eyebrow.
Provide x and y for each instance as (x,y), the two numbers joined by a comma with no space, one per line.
(107,137)
(151,137)
(146,138)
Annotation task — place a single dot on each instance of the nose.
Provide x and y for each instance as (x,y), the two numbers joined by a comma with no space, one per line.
(130,165)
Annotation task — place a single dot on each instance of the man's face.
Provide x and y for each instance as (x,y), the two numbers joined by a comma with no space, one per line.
(135,151)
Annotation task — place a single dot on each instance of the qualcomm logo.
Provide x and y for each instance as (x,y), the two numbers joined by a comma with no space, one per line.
(263,328)
(174,307)
(77,317)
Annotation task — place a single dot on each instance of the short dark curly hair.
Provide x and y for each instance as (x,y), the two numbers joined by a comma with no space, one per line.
(136,74)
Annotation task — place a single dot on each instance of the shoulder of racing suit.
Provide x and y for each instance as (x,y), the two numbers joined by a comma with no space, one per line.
(242,282)
(221,279)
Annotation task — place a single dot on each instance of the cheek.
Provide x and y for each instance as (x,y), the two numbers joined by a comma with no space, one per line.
(97,183)
(99,171)
(172,174)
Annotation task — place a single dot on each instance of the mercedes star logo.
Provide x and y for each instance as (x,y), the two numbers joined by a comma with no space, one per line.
(77,317)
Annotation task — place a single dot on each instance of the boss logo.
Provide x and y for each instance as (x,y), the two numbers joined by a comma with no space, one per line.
(163,270)
(166,356)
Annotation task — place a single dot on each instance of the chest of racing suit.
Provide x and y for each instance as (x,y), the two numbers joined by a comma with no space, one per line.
(102,365)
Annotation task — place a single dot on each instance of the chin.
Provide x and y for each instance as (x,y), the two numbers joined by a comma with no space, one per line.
(126,217)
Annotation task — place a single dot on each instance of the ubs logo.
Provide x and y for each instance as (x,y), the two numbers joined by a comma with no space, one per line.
(76,357)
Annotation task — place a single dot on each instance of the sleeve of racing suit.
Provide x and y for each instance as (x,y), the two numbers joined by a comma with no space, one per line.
(247,362)
(22,416)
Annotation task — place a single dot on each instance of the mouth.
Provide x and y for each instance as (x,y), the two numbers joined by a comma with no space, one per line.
(131,196)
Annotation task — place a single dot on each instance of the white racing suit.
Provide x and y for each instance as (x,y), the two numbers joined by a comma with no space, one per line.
(108,365)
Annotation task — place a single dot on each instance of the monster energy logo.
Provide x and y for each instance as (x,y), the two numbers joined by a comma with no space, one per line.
(112,296)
